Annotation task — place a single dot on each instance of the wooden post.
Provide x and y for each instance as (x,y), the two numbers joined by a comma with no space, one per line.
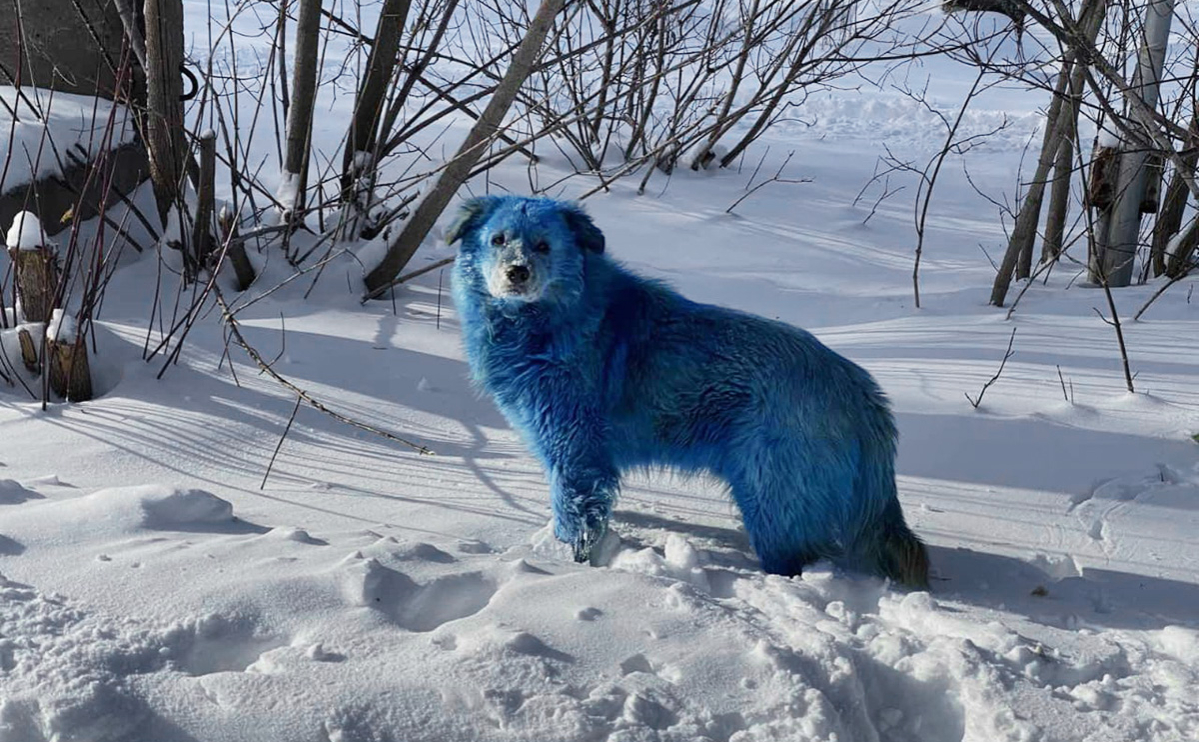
(205,193)
(29,351)
(66,355)
(230,236)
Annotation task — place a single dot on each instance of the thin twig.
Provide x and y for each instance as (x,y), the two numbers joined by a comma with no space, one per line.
(1158,293)
(282,438)
(776,178)
(1115,322)
(976,402)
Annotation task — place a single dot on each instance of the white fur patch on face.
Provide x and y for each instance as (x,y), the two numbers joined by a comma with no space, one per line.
(501,287)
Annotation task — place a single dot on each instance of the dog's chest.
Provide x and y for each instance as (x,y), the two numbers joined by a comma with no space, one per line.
(507,354)
(528,372)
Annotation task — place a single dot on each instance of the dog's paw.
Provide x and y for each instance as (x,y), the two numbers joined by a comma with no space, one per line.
(586,541)
(606,549)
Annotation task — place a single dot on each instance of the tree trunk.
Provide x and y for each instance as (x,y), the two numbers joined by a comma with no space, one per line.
(303,101)
(1059,192)
(1057,132)
(164,120)
(1182,250)
(401,249)
(1116,253)
(368,106)
(1018,258)
(1169,221)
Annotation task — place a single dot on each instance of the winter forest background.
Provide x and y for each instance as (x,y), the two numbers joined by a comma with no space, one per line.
(247,493)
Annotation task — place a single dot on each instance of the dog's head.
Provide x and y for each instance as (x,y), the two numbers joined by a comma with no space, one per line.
(524,249)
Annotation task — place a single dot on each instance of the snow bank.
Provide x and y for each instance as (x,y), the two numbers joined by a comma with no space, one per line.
(64,123)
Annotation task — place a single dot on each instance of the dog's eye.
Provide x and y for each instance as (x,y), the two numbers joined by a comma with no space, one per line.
(498,239)
(541,247)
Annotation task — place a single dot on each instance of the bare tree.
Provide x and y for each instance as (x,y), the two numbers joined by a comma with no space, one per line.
(359,160)
(401,248)
(1059,127)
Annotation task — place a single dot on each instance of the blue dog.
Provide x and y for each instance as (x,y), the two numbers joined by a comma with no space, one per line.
(603,371)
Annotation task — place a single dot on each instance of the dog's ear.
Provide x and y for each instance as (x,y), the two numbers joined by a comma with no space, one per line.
(470,216)
(587,235)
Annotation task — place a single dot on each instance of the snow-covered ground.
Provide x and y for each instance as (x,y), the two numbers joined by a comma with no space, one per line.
(151,589)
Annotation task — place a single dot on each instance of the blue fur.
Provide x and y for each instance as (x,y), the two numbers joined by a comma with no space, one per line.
(606,371)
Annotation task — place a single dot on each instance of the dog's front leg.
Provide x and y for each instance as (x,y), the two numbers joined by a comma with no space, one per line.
(583,488)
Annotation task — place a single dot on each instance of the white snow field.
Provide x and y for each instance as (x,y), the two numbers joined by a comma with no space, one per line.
(152,590)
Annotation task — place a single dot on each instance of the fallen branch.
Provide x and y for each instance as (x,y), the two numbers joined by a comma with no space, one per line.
(235,331)
(271,464)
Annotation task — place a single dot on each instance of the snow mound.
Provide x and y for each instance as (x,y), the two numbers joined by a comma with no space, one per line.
(124,510)
(26,232)
(162,507)
(64,673)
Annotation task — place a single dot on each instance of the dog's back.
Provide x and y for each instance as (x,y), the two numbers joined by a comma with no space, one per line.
(607,371)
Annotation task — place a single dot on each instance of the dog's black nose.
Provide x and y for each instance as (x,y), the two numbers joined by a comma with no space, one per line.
(518,273)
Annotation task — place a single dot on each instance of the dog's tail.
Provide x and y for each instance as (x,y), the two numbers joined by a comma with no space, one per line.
(891,549)
(903,557)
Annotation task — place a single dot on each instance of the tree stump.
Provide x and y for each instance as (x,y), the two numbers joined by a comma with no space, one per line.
(37,280)
(70,374)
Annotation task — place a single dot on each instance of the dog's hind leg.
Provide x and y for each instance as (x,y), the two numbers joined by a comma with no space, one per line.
(782,530)
(795,495)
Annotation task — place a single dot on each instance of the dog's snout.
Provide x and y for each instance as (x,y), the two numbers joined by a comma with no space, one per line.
(518,273)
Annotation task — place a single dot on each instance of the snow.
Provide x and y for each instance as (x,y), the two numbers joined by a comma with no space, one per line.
(288,190)
(62,327)
(48,126)
(1107,137)
(26,232)
(152,587)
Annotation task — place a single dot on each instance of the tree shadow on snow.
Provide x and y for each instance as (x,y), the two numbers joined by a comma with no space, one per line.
(1096,597)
